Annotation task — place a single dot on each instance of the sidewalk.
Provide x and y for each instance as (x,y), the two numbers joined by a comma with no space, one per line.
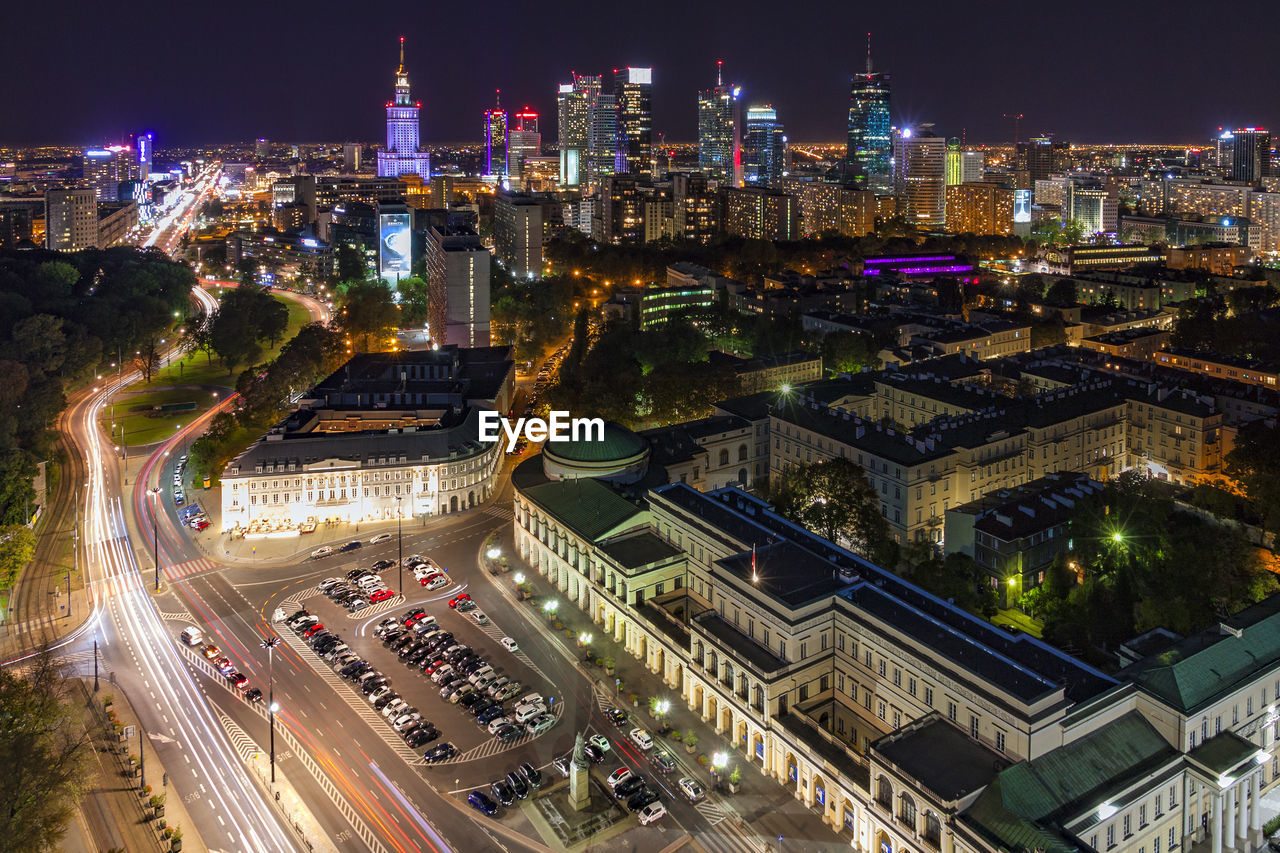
(114,814)
(762,807)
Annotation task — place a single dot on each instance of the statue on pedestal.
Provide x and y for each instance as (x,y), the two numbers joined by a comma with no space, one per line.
(579,776)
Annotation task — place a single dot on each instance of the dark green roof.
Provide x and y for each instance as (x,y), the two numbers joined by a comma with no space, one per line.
(587,507)
(1223,752)
(631,552)
(619,443)
(1022,808)
(1201,668)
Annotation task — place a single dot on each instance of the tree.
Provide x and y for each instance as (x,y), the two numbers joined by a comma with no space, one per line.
(955,577)
(1255,463)
(1062,293)
(45,750)
(1048,333)
(834,498)
(415,301)
(17,547)
(849,352)
(350,265)
(369,313)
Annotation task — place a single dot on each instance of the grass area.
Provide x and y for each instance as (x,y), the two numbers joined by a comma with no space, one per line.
(197,369)
(143,425)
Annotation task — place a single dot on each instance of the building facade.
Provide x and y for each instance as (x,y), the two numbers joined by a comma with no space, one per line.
(71,219)
(720,132)
(919,177)
(458,287)
(403,154)
(870,146)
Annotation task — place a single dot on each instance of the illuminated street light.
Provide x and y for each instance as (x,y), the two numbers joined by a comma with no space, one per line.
(493,553)
(1117,537)
(519,577)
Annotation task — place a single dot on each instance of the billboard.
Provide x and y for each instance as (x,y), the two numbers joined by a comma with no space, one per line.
(395,247)
(1022,205)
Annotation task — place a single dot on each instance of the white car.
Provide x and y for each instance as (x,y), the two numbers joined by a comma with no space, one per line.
(437,581)
(652,812)
(480,618)
(525,713)
(403,721)
(617,777)
(322,551)
(509,644)
(692,789)
(381,537)
(395,709)
(642,739)
(494,725)
(600,742)
(530,699)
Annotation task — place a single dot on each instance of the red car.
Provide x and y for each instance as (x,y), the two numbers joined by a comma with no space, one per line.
(457,599)
(314,629)
(432,666)
(414,620)
(238,680)
(381,595)
(200,525)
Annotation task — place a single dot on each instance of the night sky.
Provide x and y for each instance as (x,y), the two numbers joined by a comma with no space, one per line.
(85,71)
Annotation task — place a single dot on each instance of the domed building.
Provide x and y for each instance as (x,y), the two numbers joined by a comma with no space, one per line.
(620,457)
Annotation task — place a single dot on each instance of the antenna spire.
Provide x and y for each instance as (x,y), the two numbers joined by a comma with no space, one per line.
(497,98)
(868,53)
(719,69)
(400,70)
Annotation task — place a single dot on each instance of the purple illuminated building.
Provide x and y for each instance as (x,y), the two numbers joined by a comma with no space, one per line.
(403,155)
(919,266)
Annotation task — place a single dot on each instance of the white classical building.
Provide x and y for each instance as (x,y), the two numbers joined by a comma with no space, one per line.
(907,723)
(388,435)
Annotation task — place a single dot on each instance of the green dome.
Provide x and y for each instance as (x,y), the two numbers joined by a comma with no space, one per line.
(619,444)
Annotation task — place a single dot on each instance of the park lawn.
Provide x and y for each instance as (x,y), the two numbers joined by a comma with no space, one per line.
(148,427)
(197,369)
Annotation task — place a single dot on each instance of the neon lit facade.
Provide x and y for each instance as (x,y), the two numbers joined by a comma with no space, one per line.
(403,155)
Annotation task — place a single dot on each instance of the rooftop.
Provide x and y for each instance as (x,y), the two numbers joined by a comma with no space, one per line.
(587,507)
(944,759)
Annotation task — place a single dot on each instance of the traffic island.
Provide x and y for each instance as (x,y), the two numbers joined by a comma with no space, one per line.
(562,826)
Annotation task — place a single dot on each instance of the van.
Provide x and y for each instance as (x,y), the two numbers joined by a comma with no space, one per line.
(192,636)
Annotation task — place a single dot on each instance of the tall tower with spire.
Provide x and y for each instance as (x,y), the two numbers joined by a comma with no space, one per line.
(495,139)
(870,143)
(403,154)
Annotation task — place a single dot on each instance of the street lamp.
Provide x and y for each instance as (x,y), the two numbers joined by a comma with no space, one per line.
(518,577)
(400,545)
(270,644)
(155,531)
(493,553)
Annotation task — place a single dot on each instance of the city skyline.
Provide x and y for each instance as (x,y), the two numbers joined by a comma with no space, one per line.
(961,71)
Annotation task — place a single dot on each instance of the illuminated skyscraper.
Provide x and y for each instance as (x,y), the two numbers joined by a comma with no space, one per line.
(764,147)
(523,142)
(106,168)
(403,155)
(633,88)
(527,120)
(1039,158)
(870,145)
(144,144)
(1250,154)
(495,139)
(720,131)
(575,103)
(919,177)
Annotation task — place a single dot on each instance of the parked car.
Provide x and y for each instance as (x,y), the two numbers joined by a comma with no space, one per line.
(502,791)
(253,694)
(617,777)
(600,742)
(540,724)
(628,787)
(531,775)
(641,799)
(458,599)
(563,763)
(480,618)
(481,803)
(518,784)
(594,755)
(322,551)
(650,813)
(508,733)
(435,581)
(440,752)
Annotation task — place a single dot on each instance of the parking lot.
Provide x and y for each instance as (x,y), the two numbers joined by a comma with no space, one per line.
(407,662)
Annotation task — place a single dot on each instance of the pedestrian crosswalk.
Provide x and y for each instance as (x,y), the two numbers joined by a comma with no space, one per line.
(496,633)
(376,609)
(712,812)
(501,513)
(731,836)
(177,617)
(191,568)
(493,746)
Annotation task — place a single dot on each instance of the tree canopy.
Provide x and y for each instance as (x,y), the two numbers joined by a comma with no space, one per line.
(835,499)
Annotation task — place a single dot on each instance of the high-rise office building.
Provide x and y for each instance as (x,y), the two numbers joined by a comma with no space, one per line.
(621,214)
(351,152)
(720,131)
(575,103)
(517,234)
(527,120)
(144,145)
(870,145)
(1039,158)
(1250,154)
(403,154)
(457,287)
(71,219)
(495,139)
(764,148)
(523,142)
(633,88)
(106,168)
(604,157)
(919,177)
(964,166)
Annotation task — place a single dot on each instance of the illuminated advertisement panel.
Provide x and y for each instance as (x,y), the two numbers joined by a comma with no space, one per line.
(395,247)
(1022,205)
